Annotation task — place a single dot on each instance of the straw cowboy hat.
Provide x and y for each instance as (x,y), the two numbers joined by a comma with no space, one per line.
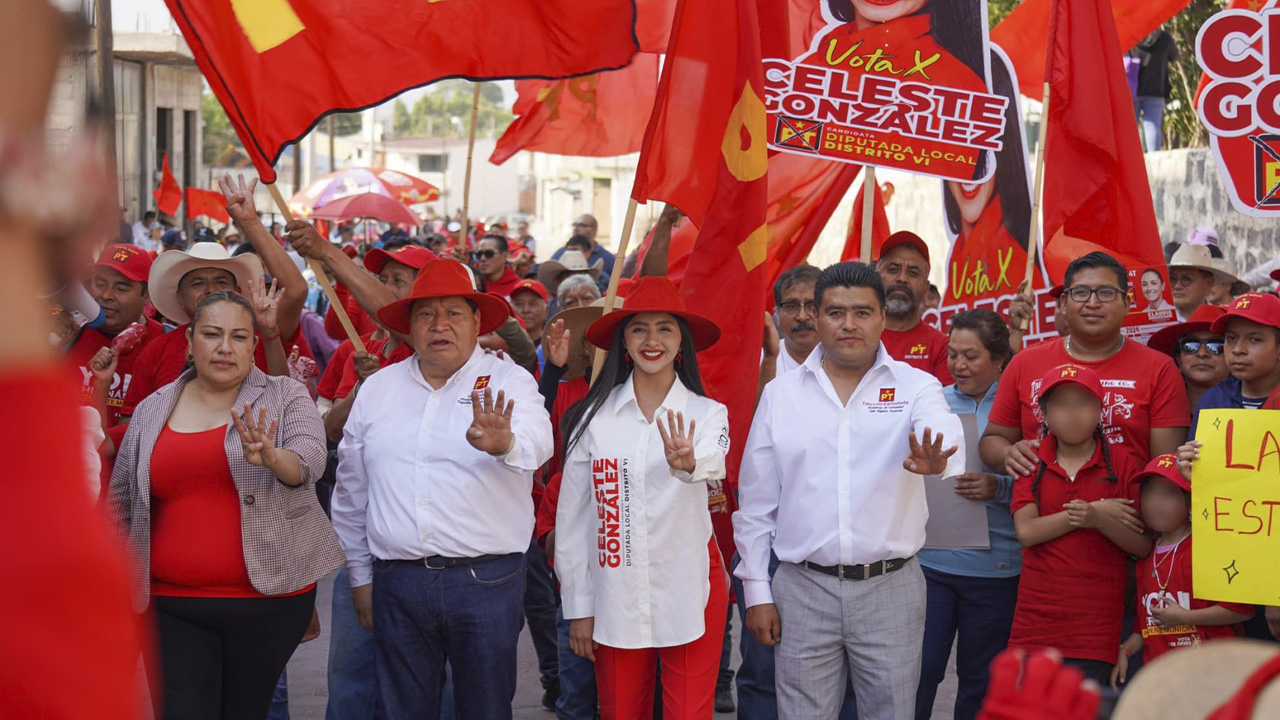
(441,279)
(1198,256)
(655,295)
(576,320)
(170,267)
(571,261)
(1226,679)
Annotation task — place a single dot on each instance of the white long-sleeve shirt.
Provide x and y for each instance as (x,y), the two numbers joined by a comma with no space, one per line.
(823,481)
(410,486)
(631,533)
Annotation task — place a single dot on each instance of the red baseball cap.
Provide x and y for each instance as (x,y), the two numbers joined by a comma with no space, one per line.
(532,286)
(908,238)
(1166,340)
(1259,307)
(1076,374)
(1165,466)
(411,255)
(130,261)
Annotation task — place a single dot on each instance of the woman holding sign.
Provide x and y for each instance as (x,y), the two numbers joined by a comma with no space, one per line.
(972,593)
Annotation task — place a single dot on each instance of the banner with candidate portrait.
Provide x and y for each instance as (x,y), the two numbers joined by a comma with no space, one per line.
(893,83)
(1239,51)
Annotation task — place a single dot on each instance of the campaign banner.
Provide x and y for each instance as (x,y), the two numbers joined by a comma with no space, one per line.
(1235,488)
(892,83)
(1239,52)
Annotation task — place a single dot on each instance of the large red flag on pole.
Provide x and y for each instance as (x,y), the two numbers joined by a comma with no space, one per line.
(705,153)
(278,66)
(1096,194)
(1021,34)
(879,227)
(169,195)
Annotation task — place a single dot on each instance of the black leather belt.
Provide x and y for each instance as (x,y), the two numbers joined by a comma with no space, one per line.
(859,572)
(439,562)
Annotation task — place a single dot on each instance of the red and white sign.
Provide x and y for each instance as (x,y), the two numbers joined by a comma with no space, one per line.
(893,84)
(1239,51)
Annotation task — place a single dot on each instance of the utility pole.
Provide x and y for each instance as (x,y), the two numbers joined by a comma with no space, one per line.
(333,162)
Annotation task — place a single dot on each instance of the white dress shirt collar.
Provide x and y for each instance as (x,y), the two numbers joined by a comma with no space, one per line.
(415,369)
(813,365)
(677,398)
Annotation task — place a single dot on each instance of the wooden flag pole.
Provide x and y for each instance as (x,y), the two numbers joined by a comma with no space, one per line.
(868,197)
(466,183)
(321,278)
(611,295)
(1037,190)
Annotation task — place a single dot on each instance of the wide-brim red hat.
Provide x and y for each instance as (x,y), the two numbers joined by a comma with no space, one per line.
(653,295)
(1166,340)
(441,279)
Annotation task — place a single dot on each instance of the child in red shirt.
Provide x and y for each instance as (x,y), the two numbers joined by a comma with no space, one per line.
(1077,524)
(1169,616)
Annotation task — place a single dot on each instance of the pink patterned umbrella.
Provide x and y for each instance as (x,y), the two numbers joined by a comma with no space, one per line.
(368,205)
(402,187)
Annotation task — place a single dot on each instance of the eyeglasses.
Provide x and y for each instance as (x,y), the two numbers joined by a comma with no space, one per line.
(585,225)
(486,254)
(793,308)
(1106,293)
(1191,347)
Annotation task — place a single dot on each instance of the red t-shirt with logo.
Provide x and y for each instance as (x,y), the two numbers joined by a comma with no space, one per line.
(922,347)
(161,362)
(87,344)
(1142,390)
(1071,593)
(375,347)
(1171,567)
(327,388)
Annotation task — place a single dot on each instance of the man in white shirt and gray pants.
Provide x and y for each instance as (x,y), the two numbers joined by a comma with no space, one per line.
(832,482)
(432,504)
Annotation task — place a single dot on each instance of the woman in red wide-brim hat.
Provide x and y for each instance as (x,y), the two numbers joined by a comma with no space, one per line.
(641,577)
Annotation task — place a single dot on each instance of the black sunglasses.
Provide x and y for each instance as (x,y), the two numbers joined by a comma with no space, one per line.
(1191,347)
(486,254)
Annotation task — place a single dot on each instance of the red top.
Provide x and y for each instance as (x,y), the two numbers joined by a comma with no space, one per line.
(375,347)
(332,377)
(77,618)
(1143,390)
(360,319)
(567,395)
(1071,595)
(197,548)
(162,360)
(87,344)
(922,347)
(503,286)
(1174,572)
(1273,402)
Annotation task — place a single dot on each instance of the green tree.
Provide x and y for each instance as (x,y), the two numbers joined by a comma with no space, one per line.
(445,111)
(1182,126)
(220,139)
(401,120)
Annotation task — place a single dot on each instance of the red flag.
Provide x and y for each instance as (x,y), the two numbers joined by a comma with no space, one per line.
(653,24)
(879,227)
(600,115)
(169,195)
(209,203)
(705,152)
(278,66)
(1021,33)
(1096,195)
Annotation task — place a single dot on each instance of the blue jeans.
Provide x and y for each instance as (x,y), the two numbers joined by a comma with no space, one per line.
(725,680)
(353,680)
(757,696)
(577,678)
(1150,113)
(980,612)
(280,700)
(541,600)
(470,614)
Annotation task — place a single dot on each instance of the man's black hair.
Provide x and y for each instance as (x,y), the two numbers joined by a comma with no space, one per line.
(500,240)
(149,216)
(797,275)
(849,275)
(395,243)
(1097,259)
(580,240)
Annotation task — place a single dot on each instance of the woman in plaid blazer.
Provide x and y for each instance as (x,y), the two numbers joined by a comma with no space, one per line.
(226,535)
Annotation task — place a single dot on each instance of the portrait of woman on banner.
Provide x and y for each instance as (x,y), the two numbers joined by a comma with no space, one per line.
(1154,288)
(990,220)
(935,42)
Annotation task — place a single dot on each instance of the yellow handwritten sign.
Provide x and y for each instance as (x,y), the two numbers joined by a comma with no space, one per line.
(1235,493)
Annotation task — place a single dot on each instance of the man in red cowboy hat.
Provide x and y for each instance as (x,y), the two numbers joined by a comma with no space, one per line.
(433,506)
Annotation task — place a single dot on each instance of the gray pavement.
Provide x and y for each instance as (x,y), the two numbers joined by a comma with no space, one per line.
(308,686)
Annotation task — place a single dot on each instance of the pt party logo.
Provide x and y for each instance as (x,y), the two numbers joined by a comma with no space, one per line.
(893,83)
(1239,51)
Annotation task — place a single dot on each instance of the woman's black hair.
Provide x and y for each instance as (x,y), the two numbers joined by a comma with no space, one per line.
(1044,432)
(1011,184)
(222,296)
(615,372)
(989,328)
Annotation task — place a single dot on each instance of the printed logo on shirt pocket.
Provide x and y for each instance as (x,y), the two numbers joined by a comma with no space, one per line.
(887,404)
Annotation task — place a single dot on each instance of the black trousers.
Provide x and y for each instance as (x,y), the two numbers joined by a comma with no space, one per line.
(220,658)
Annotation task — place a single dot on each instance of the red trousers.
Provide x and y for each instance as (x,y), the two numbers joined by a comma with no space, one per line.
(625,677)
